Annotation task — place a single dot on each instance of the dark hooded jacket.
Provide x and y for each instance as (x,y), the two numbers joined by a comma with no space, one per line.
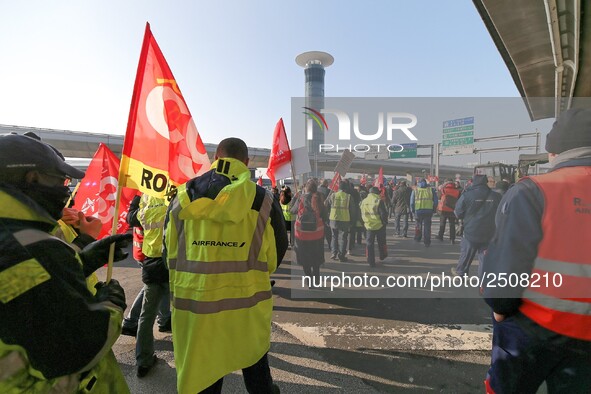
(401,199)
(478,206)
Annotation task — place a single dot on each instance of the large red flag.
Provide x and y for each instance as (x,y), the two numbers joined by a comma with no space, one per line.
(98,191)
(162,147)
(280,158)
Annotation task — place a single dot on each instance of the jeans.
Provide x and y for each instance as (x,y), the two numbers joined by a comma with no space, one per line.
(339,242)
(423,227)
(131,321)
(144,347)
(399,216)
(467,252)
(521,362)
(382,248)
(257,379)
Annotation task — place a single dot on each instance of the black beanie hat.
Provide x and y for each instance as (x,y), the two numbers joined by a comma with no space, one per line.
(571,130)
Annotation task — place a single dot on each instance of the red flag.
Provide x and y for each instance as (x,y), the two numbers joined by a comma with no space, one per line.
(260,181)
(280,153)
(363,180)
(379,181)
(162,146)
(98,191)
(334,185)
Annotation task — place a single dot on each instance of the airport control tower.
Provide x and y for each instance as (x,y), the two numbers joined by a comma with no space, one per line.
(314,63)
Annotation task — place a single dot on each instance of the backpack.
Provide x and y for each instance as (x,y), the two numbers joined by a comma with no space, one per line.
(307,216)
(308,224)
(450,201)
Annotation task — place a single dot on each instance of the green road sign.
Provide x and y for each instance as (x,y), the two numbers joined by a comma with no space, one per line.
(458,136)
(409,152)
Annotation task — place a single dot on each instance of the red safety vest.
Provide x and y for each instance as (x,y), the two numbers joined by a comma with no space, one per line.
(449,197)
(138,241)
(559,294)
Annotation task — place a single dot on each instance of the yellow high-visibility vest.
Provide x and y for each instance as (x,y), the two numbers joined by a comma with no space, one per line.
(220,254)
(423,198)
(151,215)
(339,209)
(370,213)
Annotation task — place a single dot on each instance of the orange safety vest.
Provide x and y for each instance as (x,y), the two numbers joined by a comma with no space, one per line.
(138,241)
(449,197)
(559,293)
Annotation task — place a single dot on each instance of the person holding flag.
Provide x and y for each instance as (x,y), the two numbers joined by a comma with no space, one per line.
(69,331)
(224,237)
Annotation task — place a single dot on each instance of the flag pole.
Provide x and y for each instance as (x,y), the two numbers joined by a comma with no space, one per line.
(114,231)
(293,176)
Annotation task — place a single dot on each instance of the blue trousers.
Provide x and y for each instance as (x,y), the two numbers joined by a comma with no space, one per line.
(339,242)
(133,317)
(423,227)
(144,346)
(520,363)
(467,252)
(404,231)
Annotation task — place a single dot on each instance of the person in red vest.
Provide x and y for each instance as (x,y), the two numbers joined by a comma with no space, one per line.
(542,321)
(445,207)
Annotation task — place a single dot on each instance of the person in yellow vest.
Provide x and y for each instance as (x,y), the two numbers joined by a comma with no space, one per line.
(131,321)
(55,336)
(423,202)
(150,216)
(375,218)
(224,237)
(542,328)
(341,211)
(284,200)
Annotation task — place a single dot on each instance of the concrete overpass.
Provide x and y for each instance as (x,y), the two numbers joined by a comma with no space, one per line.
(76,144)
(545,45)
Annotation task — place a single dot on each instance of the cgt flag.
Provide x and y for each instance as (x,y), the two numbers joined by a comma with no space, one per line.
(280,158)
(98,191)
(162,147)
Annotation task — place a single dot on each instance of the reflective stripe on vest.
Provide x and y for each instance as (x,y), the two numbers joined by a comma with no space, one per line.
(423,198)
(370,212)
(561,299)
(339,209)
(182,264)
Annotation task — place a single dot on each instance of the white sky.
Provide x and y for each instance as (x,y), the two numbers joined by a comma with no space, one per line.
(72,64)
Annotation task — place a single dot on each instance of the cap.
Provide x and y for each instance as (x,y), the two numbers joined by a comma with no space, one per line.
(572,129)
(374,190)
(19,151)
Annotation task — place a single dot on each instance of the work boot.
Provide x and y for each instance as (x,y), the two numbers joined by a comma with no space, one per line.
(143,370)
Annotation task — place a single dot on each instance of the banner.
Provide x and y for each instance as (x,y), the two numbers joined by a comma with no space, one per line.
(379,181)
(162,147)
(280,158)
(336,180)
(97,192)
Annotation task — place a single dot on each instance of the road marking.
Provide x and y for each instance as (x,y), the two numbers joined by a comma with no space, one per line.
(405,336)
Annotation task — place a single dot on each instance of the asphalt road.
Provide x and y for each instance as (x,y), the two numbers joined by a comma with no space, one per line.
(356,340)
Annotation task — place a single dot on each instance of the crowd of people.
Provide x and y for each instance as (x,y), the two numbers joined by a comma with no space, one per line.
(207,259)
